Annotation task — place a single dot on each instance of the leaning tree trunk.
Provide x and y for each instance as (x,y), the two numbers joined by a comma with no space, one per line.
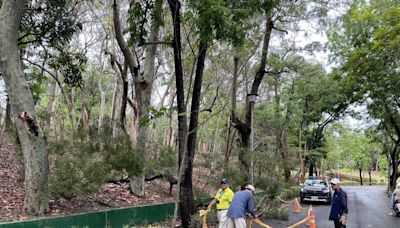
(30,134)
(361,180)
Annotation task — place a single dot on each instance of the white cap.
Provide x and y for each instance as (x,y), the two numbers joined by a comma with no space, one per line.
(250,187)
(335,181)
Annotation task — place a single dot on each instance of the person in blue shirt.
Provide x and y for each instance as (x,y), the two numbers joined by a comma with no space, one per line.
(242,203)
(339,205)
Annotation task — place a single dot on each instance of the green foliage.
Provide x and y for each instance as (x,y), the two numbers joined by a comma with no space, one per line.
(352,148)
(138,15)
(49,22)
(154,114)
(383,164)
(215,19)
(163,161)
(83,165)
(365,47)
(224,20)
(37,83)
(76,174)
(290,193)
(273,208)
(72,65)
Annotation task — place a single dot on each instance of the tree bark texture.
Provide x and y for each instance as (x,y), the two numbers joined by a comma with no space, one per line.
(22,106)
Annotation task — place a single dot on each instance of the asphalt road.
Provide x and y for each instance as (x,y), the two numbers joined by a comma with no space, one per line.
(368,207)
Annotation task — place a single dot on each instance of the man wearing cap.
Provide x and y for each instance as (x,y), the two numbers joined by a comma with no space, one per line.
(242,203)
(339,205)
(223,199)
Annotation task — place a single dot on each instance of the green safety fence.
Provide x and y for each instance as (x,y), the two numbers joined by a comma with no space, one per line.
(122,217)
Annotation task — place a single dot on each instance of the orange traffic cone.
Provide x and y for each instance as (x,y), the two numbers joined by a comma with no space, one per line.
(311,218)
(296,206)
(308,215)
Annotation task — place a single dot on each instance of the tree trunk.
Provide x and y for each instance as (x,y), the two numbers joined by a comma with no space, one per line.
(310,168)
(244,128)
(69,98)
(280,130)
(188,205)
(116,96)
(102,105)
(361,180)
(302,156)
(369,176)
(30,134)
(85,115)
(8,121)
(50,106)
(394,157)
(244,131)
(143,89)
(122,116)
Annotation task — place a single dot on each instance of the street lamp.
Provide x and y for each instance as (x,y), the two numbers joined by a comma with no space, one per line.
(251,99)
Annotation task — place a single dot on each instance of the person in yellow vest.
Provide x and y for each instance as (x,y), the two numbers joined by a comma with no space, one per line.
(223,199)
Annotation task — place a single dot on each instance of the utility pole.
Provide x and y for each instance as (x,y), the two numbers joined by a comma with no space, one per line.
(251,98)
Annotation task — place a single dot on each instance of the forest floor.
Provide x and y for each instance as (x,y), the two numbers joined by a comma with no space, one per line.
(109,196)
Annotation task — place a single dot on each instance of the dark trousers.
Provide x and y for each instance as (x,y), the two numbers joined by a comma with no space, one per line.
(338,224)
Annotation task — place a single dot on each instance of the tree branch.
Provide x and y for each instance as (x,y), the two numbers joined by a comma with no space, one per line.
(157,42)
(121,42)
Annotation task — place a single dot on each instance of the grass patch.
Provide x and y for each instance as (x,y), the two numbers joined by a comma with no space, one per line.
(352,177)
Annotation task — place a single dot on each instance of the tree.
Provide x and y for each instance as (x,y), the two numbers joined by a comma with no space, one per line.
(212,21)
(280,17)
(30,134)
(364,46)
(143,83)
(355,149)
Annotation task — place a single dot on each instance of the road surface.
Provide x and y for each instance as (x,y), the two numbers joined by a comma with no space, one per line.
(368,207)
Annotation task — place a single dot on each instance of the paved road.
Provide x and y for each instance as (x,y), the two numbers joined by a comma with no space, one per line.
(368,207)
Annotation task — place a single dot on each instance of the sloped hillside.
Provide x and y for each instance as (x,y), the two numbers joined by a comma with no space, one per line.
(109,196)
